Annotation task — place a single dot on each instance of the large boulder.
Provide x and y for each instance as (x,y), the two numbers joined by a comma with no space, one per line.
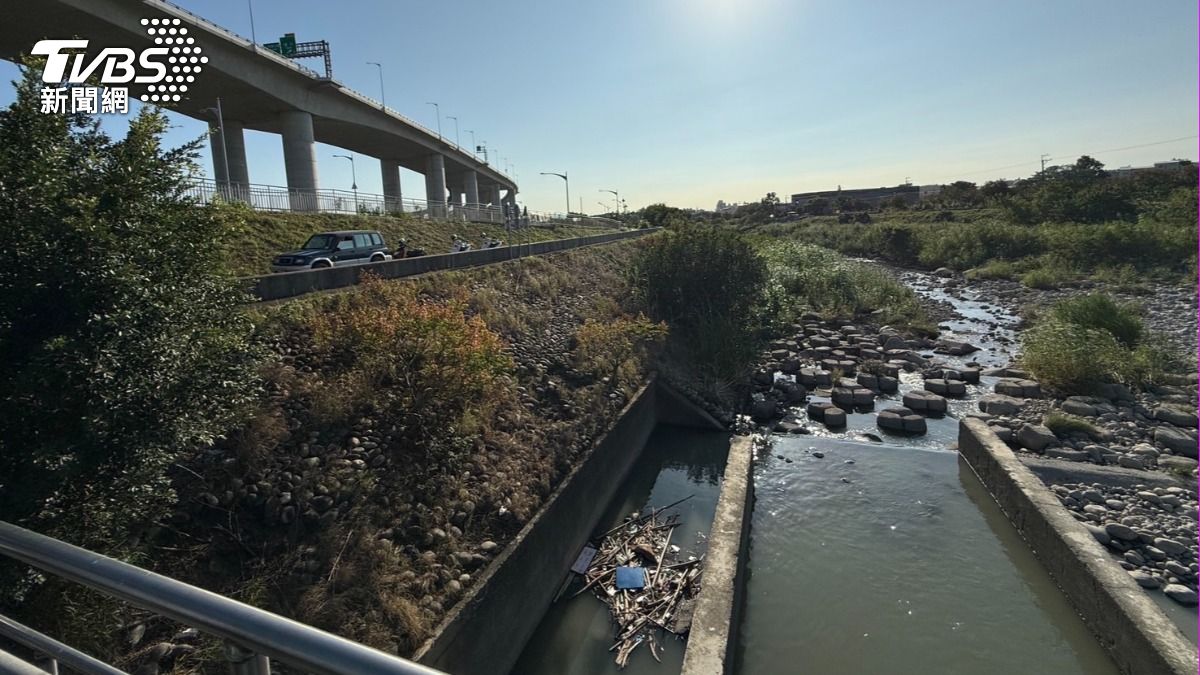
(999,404)
(1036,437)
(954,347)
(1077,405)
(1020,388)
(1177,415)
(763,409)
(1176,440)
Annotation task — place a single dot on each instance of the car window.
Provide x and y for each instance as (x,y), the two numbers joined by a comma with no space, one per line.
(376,239)
(362,241)
(345,244)
(319,242)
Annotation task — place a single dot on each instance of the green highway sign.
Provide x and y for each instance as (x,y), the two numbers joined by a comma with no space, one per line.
(286,45)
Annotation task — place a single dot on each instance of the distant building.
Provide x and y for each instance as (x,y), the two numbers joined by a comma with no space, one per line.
(1131,171)
(927,191)
(869,196)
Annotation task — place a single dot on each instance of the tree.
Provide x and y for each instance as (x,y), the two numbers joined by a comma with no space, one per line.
(708,284)
(770,199)
(995,189)
(122,342)
(960,193)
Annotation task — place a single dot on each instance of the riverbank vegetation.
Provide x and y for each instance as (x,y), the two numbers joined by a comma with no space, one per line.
(351,460)
(1063,224)
(1086,341)
(724,294)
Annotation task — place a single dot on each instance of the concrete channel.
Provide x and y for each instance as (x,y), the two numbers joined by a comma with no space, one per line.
(1128,624)
(488,629)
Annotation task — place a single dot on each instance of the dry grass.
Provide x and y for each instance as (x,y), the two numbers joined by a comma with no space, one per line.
(255,237)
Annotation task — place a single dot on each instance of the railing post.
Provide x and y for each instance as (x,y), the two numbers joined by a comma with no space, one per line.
(242,661)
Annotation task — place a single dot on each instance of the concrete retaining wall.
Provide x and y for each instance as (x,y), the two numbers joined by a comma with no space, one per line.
(713,637)
(292,284)
(1136,633)
(487,630)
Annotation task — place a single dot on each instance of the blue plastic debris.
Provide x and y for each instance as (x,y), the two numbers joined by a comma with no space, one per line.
(630,577)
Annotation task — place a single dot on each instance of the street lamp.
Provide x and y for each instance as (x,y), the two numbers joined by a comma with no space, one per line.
(567,183)
(456,143)
(253,37)
(437,109)
(353,179)
(382,96)
(224,148)
(475,148)
(617,198)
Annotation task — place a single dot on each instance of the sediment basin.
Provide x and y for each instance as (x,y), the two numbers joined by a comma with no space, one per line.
(574,636)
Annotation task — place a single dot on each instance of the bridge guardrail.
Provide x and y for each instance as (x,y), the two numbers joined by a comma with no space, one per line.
(278,198)
(252,636)
(292,284)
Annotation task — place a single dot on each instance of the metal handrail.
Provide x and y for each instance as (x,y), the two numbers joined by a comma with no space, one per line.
(280,198)
(258,633)
(57,651)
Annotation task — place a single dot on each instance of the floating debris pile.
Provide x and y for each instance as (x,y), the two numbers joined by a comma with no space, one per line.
(639,574)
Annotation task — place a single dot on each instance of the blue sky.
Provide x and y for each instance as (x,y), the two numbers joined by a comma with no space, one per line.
(691,101)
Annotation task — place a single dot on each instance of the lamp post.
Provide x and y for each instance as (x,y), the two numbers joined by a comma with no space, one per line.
(567,184)
(224,148)
(353,179)
(617,199)
(456,143)
(382,95)
(437,109)
(253,38)
(474,148)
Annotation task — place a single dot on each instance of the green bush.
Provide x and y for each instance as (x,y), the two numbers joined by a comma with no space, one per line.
(708,284)
(1062,424)
(827,282)
(1085,341)
(1044,277)
(1101,312)
(1072,358)
(122,342)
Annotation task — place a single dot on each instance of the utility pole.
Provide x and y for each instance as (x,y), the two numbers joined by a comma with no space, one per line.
(1044,158)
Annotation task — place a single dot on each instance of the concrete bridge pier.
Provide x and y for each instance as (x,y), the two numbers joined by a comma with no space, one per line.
(435,185)
(392,196)
(230,151)
(471,183)
(299,159)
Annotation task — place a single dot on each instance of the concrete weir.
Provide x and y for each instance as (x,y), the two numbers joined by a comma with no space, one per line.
(713,636)
(1134,631)
(487,630)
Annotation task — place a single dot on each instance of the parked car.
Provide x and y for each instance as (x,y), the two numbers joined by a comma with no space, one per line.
(334,249)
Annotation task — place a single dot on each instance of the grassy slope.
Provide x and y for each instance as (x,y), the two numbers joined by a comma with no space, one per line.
(360,586)
(257,236)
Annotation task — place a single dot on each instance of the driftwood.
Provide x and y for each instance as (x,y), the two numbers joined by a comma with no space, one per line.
(642,615)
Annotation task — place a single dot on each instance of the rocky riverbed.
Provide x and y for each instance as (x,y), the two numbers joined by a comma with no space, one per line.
(853,378)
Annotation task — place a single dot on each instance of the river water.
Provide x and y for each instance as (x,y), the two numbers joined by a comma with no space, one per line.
(574,636)
(897,563)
